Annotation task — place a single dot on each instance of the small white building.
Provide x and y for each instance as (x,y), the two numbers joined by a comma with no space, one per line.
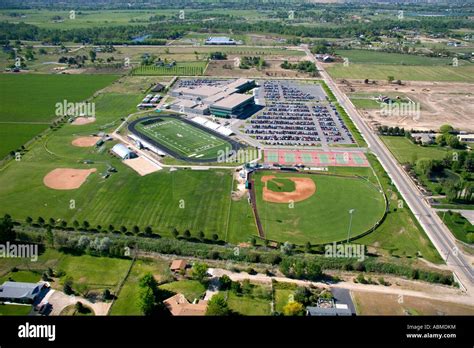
(123,152)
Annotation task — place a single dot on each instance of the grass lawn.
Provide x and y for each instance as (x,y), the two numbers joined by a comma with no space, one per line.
(459,226)
(246,305)
(323,217)
(22,276)
(127,301)
(191,289)
(183,138)
(399,235)
(9,310)
(462,73)
(96,272)
(362,103)
(282,296)
(407,152)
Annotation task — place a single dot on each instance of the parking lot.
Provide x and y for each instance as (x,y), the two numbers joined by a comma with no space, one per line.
(296,114)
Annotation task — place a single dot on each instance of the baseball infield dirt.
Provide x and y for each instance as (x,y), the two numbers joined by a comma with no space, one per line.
(67,178)
(85,141)
(79,121)
(304,188)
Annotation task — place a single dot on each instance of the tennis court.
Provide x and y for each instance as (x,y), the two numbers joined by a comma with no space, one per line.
(315,158)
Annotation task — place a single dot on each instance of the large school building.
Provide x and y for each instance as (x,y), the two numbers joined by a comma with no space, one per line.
(222,99)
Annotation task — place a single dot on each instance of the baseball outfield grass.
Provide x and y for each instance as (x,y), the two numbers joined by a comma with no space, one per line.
(323,217)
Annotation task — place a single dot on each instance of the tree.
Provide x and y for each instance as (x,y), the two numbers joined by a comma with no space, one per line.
(187,234)
(217,306)
(40,221)
(50,237)
(75,224)
(7,233)
(215,237)
(111,228)
(148,280)
(85,224)
(446,128)
(123,229)
(92,55)
(453,141)
(29,220)
(225,282)
(293,309)
(148,230)
(175,233)
(135,229)
(390,79)
(201,235)
(146,301)
(199,272)
(67,287)
(308,247)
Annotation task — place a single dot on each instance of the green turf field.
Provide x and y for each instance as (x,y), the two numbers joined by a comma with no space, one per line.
(184,139)
(323,217)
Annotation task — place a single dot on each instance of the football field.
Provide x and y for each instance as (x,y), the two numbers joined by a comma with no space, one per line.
(182,138)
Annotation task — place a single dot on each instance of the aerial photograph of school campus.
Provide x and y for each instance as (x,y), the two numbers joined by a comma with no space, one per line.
(236,158)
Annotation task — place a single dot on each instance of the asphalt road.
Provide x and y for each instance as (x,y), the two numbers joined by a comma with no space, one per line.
(438,233)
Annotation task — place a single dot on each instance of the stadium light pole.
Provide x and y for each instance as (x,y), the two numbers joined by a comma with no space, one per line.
(351,211)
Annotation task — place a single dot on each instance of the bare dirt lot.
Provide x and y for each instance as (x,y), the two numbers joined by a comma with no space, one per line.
(440,103)
(304,188)
(142,165)
(85,141)
(67,178)
(273,69)
(79,121)
(370,303)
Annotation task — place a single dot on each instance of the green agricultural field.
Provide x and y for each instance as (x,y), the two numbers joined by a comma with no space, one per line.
(14,135)
(191,289)
(180,69)
(27,103)
(323,217)
(375,57)
(462,73)
(32,98)
(183,138)
(407,152)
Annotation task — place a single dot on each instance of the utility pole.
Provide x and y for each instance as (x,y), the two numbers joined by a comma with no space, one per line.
(351,211)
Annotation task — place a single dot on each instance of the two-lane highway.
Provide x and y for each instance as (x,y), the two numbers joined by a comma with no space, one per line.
(438,233)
